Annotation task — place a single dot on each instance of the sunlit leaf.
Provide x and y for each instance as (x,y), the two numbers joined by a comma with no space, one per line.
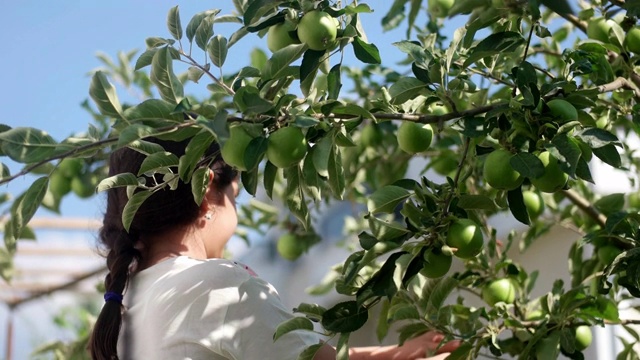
(104,95)
(173,23)
(163,77)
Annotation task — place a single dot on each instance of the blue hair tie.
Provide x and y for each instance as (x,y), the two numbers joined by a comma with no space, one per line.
(112,296)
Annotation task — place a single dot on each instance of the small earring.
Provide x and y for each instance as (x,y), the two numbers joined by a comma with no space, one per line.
(207,215)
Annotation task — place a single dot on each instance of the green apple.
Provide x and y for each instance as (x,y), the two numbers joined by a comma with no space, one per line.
(498,173)
(632,40)
(286,146)
(553,178)
(436,265)
(234,148)
(318,30)
(414,137)
(501,290)
(439,8)
(534,203)
(598,29)
(279,36)
(466,236)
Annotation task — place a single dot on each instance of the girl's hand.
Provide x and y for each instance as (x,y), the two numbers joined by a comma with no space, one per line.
(427,343)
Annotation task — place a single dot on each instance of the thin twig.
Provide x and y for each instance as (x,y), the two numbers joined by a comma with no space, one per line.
(206,71)
(524,56)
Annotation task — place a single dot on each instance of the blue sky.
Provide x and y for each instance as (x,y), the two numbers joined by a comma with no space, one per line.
(50,49)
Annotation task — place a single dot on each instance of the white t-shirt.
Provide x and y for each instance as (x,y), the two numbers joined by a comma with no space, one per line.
(183,308)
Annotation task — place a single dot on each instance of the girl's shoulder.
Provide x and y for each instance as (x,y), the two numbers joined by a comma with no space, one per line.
(213,268)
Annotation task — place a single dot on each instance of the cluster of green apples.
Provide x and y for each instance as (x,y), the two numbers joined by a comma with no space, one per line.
(317,29)
(69,176)
(286,146)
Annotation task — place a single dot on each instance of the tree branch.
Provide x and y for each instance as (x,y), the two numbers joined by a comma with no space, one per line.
(95,145)
(585,206)
(575,21)
(620,83)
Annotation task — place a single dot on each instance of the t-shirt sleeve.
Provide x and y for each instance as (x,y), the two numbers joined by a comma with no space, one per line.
(253,321)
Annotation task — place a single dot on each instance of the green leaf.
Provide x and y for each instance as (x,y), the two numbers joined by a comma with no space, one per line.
(153,109)
(320,153)
(156,161)
(610,204)
(310,62)
(196,20)
(163,77)
(527,164)
(193,153)
(119,180)
(479,202)
(345,317)
(217,49)
(294,195)
(23,209)
(104,95)
(199,184)
(250,180)
(403,312)
(248,100)
(582,170)
(311,179)
(279,62)
(27,145)
(387,230)
(495,44)
(336,173)
(405,88)
(257,8)
(311,311)
(352,109)
(194,73)
(441,291)
(204,32)
(367,53)
(146,57)
(133,133)
(296,323)
(173,23)
(132,206)
(386,199)
(560,7)
(334,82)
(310,352)
(597,138)
(155,42)
(270,173)
(255,151)
(567,151)
(517,206)
(609,154)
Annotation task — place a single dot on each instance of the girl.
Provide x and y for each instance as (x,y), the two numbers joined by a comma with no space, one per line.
(182,299)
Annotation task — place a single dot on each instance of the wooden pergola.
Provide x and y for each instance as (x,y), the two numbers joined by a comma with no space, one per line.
(44,267)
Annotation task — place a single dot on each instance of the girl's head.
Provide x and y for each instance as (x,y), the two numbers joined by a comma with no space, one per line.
(165,210)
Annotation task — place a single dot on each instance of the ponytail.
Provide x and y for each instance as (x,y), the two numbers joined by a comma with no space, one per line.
(104,339)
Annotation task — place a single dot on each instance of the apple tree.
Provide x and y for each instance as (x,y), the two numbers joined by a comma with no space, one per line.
(509,113)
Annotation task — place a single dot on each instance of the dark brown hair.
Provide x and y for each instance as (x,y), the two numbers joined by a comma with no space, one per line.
(163,210)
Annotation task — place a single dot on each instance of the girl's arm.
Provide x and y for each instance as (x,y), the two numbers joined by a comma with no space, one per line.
(414,349)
